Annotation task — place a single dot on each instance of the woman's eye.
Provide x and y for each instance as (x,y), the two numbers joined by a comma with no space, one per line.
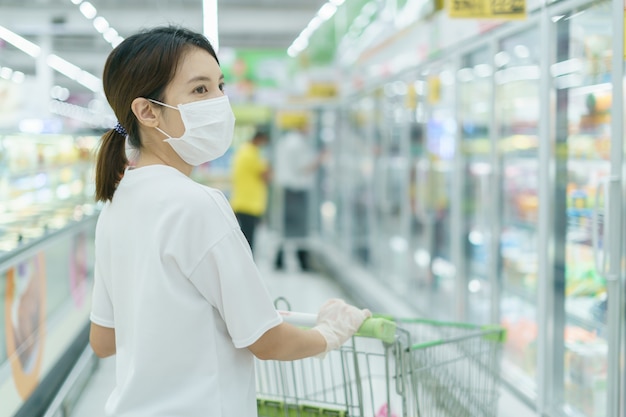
(202,89)
(222,87)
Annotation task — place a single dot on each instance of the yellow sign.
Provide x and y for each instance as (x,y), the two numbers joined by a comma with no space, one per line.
(322,90)
(291,119)
(434,89)
(487,9)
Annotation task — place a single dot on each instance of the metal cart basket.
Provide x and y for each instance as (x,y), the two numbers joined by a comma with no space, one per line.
(425,369)
(454,368)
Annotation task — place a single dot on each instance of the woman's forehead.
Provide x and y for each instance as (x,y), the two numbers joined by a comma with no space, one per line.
(196,63)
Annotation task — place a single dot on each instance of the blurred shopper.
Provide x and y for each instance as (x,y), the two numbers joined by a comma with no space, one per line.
(251,173)
(177,295)
(296,164)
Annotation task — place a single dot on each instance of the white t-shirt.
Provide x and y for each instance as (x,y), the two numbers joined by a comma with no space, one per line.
(294,158)
(175,277)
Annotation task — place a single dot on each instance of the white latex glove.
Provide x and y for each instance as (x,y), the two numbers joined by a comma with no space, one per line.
(338,321)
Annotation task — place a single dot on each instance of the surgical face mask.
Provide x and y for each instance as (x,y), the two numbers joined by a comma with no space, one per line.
(209,126)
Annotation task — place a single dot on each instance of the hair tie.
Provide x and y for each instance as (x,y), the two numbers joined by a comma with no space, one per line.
(120,129)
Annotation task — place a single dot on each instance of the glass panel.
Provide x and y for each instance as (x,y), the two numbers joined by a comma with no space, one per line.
(391,183)
(341,176)
(419,279)
(327,190)
(357,171)
(475,92)
(583,102)
(438,162)
(517,112)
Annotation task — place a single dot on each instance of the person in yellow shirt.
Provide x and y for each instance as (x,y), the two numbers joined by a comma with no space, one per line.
(251,174)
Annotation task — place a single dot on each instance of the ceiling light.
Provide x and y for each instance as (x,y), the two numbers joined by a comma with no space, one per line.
(110,35)
(77,1)
(64,67)
(327,11)
(315,23)
(90,81)
(59,93)
(209,13)
(19,42)
(88,10)
(18,77)
(101,24)
(324,13)
(117,41)
(6,73)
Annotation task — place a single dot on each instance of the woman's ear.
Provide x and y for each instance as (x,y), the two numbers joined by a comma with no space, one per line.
(144,112)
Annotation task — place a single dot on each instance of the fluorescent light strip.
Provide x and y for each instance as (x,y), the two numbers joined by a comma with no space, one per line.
(55,62)
(88,10)
(75,73)
(209,14)
(19,42)
(99,23)
(8,74)
(325,12)
(80,113)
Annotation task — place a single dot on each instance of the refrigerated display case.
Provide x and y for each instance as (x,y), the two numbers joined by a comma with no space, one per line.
(45,182)
(517,114)
(522,224)
(359,150)
(419,276)
(324,221)
(47,224)
(391,185)
(583,142)
(439,153)
(475,107)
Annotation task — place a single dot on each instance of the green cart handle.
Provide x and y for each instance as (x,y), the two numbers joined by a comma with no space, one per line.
(373,327)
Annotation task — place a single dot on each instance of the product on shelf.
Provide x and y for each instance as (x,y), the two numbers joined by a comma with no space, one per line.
(46,183)
(586,372)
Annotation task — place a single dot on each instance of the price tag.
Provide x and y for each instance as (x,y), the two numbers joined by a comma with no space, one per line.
(487,9)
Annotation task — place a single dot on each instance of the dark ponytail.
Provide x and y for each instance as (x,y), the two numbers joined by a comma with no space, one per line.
(141,66)
(110,164)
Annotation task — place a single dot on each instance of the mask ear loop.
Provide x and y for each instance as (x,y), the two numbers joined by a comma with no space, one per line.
(168,136)
(162,104)
(166,105)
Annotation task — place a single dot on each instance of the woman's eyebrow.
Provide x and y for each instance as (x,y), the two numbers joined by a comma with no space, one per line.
(199,78)
(203,78)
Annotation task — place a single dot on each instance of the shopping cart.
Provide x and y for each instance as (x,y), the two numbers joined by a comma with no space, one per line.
(454,368)
(391,368)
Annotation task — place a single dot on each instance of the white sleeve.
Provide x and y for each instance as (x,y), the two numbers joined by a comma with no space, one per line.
(101,306)
(230,281)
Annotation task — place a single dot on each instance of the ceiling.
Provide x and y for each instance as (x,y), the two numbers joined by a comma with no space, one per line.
(60,24)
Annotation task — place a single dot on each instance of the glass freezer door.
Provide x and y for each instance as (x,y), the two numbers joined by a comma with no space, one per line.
(516,80)
(356,171)
(475,108)
(439,156)
(582,75)
(391,185)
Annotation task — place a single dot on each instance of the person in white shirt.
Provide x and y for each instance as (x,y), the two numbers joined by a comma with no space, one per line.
(177,296)
(296,165)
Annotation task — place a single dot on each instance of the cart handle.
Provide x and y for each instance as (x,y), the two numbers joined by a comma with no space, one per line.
(373,327)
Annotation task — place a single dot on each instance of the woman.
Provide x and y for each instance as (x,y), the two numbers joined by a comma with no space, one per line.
(177,296)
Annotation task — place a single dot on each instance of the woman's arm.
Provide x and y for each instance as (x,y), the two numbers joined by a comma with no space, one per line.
(337,321)
(102,340)
(287,342)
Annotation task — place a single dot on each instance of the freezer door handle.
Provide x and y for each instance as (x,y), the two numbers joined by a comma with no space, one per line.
(600,256)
